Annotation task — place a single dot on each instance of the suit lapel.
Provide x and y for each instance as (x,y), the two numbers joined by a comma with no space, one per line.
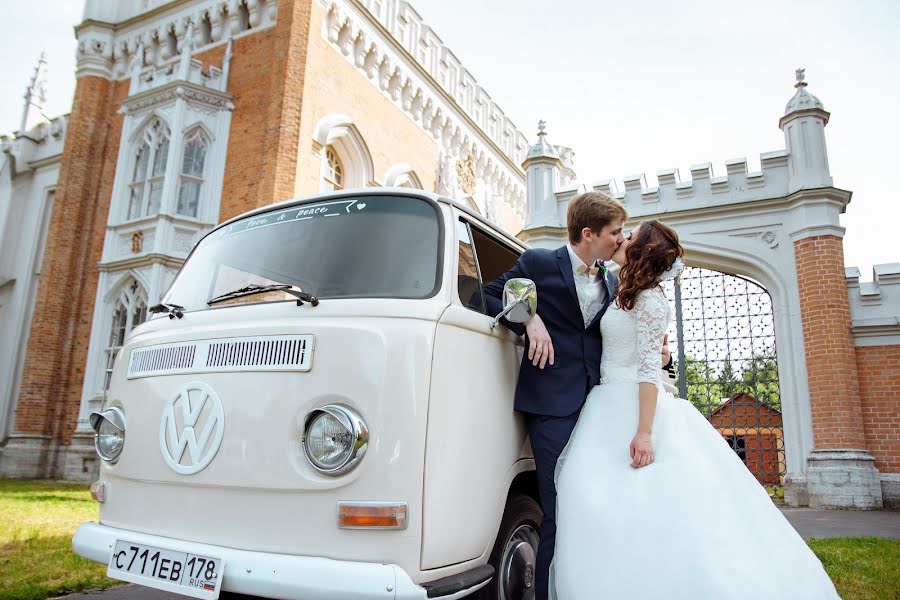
(565,269)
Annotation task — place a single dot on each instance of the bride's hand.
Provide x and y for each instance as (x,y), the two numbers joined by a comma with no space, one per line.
(641,450)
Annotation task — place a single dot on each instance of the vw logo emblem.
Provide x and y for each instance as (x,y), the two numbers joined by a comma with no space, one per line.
(191,430)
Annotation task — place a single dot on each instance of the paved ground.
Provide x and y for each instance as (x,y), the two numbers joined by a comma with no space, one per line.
(810,523)
(814,523)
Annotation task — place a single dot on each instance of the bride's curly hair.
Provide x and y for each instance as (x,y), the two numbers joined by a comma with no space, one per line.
(653,249)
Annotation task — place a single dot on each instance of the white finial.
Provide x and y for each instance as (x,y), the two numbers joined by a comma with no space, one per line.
(542,127)
(184,65)
(35,96)
(226,63)
(800,74)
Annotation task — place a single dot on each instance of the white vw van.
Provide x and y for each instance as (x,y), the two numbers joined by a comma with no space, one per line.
(321,409)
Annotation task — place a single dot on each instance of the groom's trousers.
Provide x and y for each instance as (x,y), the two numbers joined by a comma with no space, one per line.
(549,435)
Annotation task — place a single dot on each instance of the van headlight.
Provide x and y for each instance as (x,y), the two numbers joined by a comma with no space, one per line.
(109,433)
(335,439)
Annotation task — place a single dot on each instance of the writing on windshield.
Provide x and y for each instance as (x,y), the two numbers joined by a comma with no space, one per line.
(290,215)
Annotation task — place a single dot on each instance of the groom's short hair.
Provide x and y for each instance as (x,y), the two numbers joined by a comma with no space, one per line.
(592,209)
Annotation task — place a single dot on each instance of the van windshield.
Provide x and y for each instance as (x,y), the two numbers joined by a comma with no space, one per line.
(360,247)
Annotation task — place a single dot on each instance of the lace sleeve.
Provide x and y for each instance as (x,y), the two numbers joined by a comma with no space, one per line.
(651,313)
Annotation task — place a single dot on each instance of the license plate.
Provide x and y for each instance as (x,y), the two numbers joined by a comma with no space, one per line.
(180,572)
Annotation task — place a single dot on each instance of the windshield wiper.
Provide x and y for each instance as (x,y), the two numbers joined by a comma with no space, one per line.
(174,310)
(253,288)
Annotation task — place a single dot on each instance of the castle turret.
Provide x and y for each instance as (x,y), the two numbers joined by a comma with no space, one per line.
(543,167)
(803,125)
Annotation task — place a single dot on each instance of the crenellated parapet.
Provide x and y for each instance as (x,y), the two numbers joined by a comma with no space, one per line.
(875,305)
(701,189)
(428,83)
(112,40)
(40,145)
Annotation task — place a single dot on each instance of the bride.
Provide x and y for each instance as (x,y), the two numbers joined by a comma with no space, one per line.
(651,501)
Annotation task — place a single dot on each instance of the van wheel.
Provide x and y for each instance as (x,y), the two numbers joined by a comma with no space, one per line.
(513,556)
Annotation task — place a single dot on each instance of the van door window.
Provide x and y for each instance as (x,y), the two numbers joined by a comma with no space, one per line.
(494,258)
(488,260)
(468,280)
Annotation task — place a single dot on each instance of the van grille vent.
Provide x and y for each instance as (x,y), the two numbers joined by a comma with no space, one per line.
(279,352)
(261,353)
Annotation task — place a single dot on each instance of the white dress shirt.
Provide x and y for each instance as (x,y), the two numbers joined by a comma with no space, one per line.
(591,290)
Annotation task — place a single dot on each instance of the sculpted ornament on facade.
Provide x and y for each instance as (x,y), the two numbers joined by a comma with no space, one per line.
(465,171)
(137,241)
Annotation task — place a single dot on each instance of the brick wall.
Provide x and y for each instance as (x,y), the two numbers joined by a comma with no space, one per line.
(879,389)
(830,356)
(50,393)
(267,80)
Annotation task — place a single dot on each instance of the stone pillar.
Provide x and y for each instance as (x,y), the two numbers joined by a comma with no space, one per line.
(841,473)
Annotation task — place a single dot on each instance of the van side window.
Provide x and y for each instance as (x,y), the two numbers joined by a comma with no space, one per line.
(468,280)
(494,258)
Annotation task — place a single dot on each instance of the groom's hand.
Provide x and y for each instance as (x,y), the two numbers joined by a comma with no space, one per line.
(540,347)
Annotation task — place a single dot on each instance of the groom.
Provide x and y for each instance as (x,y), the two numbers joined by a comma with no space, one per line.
(564,345)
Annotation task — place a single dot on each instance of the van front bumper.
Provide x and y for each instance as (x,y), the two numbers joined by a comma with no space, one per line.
(266,574)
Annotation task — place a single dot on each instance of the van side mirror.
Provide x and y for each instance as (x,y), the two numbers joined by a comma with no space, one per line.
(519,301)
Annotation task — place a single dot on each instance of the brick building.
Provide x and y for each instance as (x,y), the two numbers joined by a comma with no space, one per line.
(187,112)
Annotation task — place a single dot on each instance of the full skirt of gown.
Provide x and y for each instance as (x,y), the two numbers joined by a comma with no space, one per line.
(694,524)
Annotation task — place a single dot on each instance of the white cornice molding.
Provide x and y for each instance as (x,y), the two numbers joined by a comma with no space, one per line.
(408,32)
(366,44)
(876,332)
(108,50)
(144,260)
(816,231)
(203,96)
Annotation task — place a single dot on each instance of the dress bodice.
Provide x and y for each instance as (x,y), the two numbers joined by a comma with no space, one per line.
(632,339)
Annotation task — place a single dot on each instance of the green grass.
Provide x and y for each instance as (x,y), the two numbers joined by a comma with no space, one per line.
(40,517)
(36,556)
(861,568)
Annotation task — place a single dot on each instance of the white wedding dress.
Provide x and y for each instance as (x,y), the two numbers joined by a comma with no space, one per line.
(694,524)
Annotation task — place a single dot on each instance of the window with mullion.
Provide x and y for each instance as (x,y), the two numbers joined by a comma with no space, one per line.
(145,190)
(130,311)
(191,174)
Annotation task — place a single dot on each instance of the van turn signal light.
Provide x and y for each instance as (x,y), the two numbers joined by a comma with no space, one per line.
(373,515)
(98,491)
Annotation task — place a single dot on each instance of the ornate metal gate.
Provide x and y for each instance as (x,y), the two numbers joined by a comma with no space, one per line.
(723,341)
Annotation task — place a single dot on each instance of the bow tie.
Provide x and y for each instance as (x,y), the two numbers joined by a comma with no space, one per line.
(585,270)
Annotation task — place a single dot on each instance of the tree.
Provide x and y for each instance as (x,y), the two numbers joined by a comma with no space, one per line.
(703,390)
(760,376)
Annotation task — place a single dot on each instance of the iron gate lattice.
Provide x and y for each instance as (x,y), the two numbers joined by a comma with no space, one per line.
(723,342)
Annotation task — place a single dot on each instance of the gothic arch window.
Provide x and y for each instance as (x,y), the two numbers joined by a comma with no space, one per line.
(338,142)
(192,166)
(146,187)
(402,175)
(129,310)
(332,170)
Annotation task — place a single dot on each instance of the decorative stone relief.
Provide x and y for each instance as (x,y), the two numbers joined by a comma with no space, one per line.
(465,171)
(137,241)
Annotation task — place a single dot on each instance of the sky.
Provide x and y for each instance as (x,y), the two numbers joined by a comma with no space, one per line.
(634,87)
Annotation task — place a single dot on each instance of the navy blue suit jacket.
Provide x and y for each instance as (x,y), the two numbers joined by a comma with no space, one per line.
(558,390)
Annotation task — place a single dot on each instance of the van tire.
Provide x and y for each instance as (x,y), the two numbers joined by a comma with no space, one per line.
(514,551)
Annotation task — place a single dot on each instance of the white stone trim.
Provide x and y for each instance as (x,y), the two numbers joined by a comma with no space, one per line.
(108,50)
(808,232)
(379,57)
(339,132)
(401,175)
